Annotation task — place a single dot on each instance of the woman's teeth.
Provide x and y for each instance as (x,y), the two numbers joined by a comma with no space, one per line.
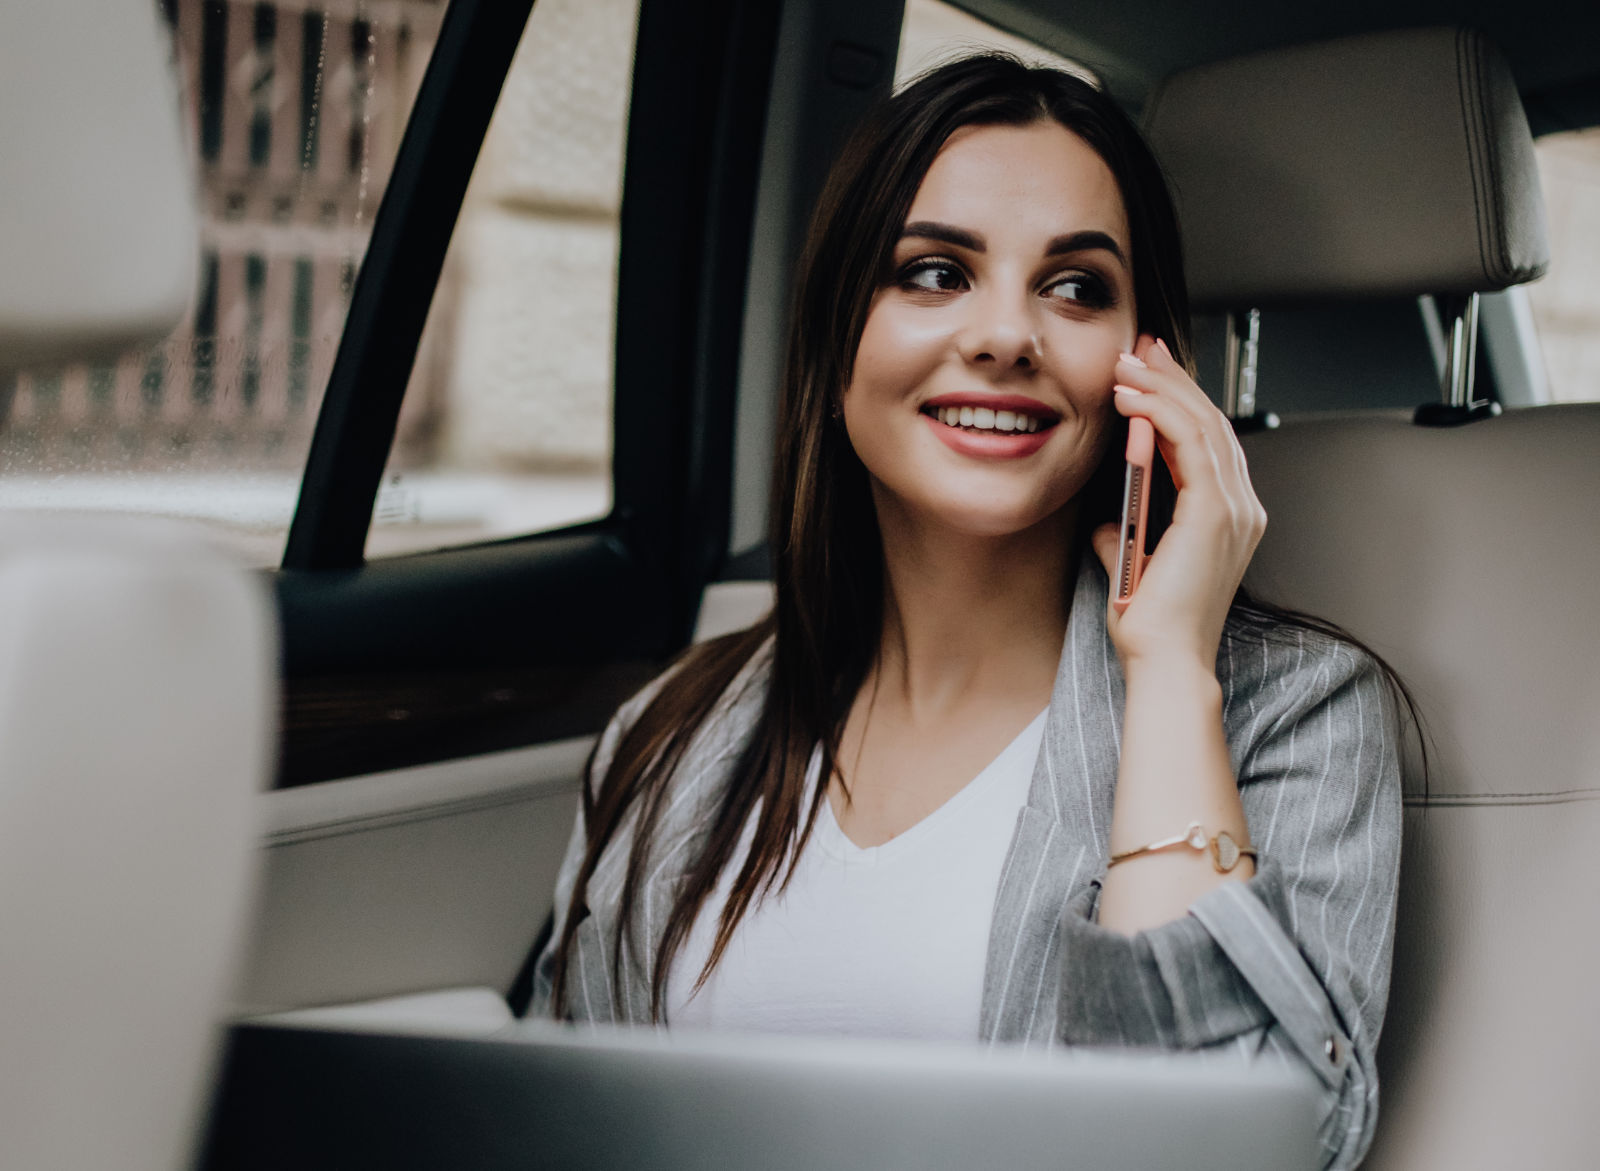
(985,419)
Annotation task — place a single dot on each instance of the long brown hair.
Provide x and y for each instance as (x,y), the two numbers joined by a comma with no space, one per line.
(827,555)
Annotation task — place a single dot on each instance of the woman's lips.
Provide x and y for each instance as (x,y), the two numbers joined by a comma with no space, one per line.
(989,444)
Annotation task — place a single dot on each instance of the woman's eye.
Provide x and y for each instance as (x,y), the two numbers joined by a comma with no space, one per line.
(933,276)
(1083,288)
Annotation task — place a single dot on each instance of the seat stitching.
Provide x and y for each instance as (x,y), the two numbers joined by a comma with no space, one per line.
(1497,236)
(1474,149)
(1555,797)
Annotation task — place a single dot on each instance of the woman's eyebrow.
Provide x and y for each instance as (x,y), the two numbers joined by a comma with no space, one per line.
(1085,241)
(949,234)
(1088,240)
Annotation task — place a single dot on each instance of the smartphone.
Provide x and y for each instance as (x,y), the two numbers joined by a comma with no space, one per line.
(1135,510)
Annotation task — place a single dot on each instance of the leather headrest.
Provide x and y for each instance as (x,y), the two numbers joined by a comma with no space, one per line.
(99,232)
(1387,164)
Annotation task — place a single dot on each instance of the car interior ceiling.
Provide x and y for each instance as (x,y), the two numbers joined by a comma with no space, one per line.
(1549,43)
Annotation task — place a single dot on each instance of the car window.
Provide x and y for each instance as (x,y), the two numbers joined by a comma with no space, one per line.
(934,31)
(1566,301)
(295,113)
(506,425)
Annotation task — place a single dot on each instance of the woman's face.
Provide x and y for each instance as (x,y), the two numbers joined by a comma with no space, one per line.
(980,398)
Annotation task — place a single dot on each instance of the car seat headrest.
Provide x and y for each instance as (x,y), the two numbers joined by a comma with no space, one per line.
(1393,163)
(99,237)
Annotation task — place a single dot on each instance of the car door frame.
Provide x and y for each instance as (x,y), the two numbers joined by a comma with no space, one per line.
(414,659)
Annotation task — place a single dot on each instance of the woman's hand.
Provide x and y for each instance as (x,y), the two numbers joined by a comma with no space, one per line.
(1178,610)
(1175,767)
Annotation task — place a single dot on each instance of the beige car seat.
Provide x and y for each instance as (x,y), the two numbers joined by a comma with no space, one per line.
(1468,556)
(136,731)
(136,663)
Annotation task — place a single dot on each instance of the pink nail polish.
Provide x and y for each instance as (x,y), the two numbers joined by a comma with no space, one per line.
(1120,389)
(1163,346)
(1132,361)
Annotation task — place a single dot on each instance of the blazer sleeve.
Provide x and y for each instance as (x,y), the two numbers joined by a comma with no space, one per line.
(577,844)
(1293,963)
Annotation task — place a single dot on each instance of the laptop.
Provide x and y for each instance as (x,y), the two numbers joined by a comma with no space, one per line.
(541,1095)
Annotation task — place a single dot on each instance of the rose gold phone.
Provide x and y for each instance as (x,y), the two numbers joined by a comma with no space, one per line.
(1135,508)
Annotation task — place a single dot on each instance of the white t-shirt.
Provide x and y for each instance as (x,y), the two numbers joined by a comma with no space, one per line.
(888,941)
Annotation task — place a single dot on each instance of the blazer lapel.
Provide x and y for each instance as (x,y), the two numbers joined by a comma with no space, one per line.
(1063,832)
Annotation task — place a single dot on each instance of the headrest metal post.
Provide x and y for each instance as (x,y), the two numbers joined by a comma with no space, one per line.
(1457,378)
(1242,349)
(1461,355)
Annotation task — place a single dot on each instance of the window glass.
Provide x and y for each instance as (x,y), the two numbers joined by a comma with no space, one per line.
(934,31)
(295,111)
(1566,302)
(506,425)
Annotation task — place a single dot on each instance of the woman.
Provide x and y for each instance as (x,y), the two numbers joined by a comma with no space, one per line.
(945,790)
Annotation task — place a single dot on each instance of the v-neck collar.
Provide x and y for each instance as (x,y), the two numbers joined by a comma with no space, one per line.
(837,843)
(1058,848)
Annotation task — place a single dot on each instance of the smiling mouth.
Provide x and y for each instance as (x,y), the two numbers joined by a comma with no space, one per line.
(989,421)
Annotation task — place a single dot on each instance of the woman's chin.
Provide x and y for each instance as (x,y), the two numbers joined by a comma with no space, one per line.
(992,521)
(980,502)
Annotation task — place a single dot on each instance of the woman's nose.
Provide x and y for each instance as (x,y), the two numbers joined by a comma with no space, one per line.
(1002,334)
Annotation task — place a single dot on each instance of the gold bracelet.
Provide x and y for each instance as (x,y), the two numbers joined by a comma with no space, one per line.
(1225,852)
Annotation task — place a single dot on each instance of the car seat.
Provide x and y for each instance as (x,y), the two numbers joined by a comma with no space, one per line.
(1401,164)
(136,662)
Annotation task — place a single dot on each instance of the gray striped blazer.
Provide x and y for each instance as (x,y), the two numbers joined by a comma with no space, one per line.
(1292,965)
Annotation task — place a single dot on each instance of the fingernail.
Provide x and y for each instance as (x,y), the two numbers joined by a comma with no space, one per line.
(1132,361)
(1163,346)
(1120,389)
